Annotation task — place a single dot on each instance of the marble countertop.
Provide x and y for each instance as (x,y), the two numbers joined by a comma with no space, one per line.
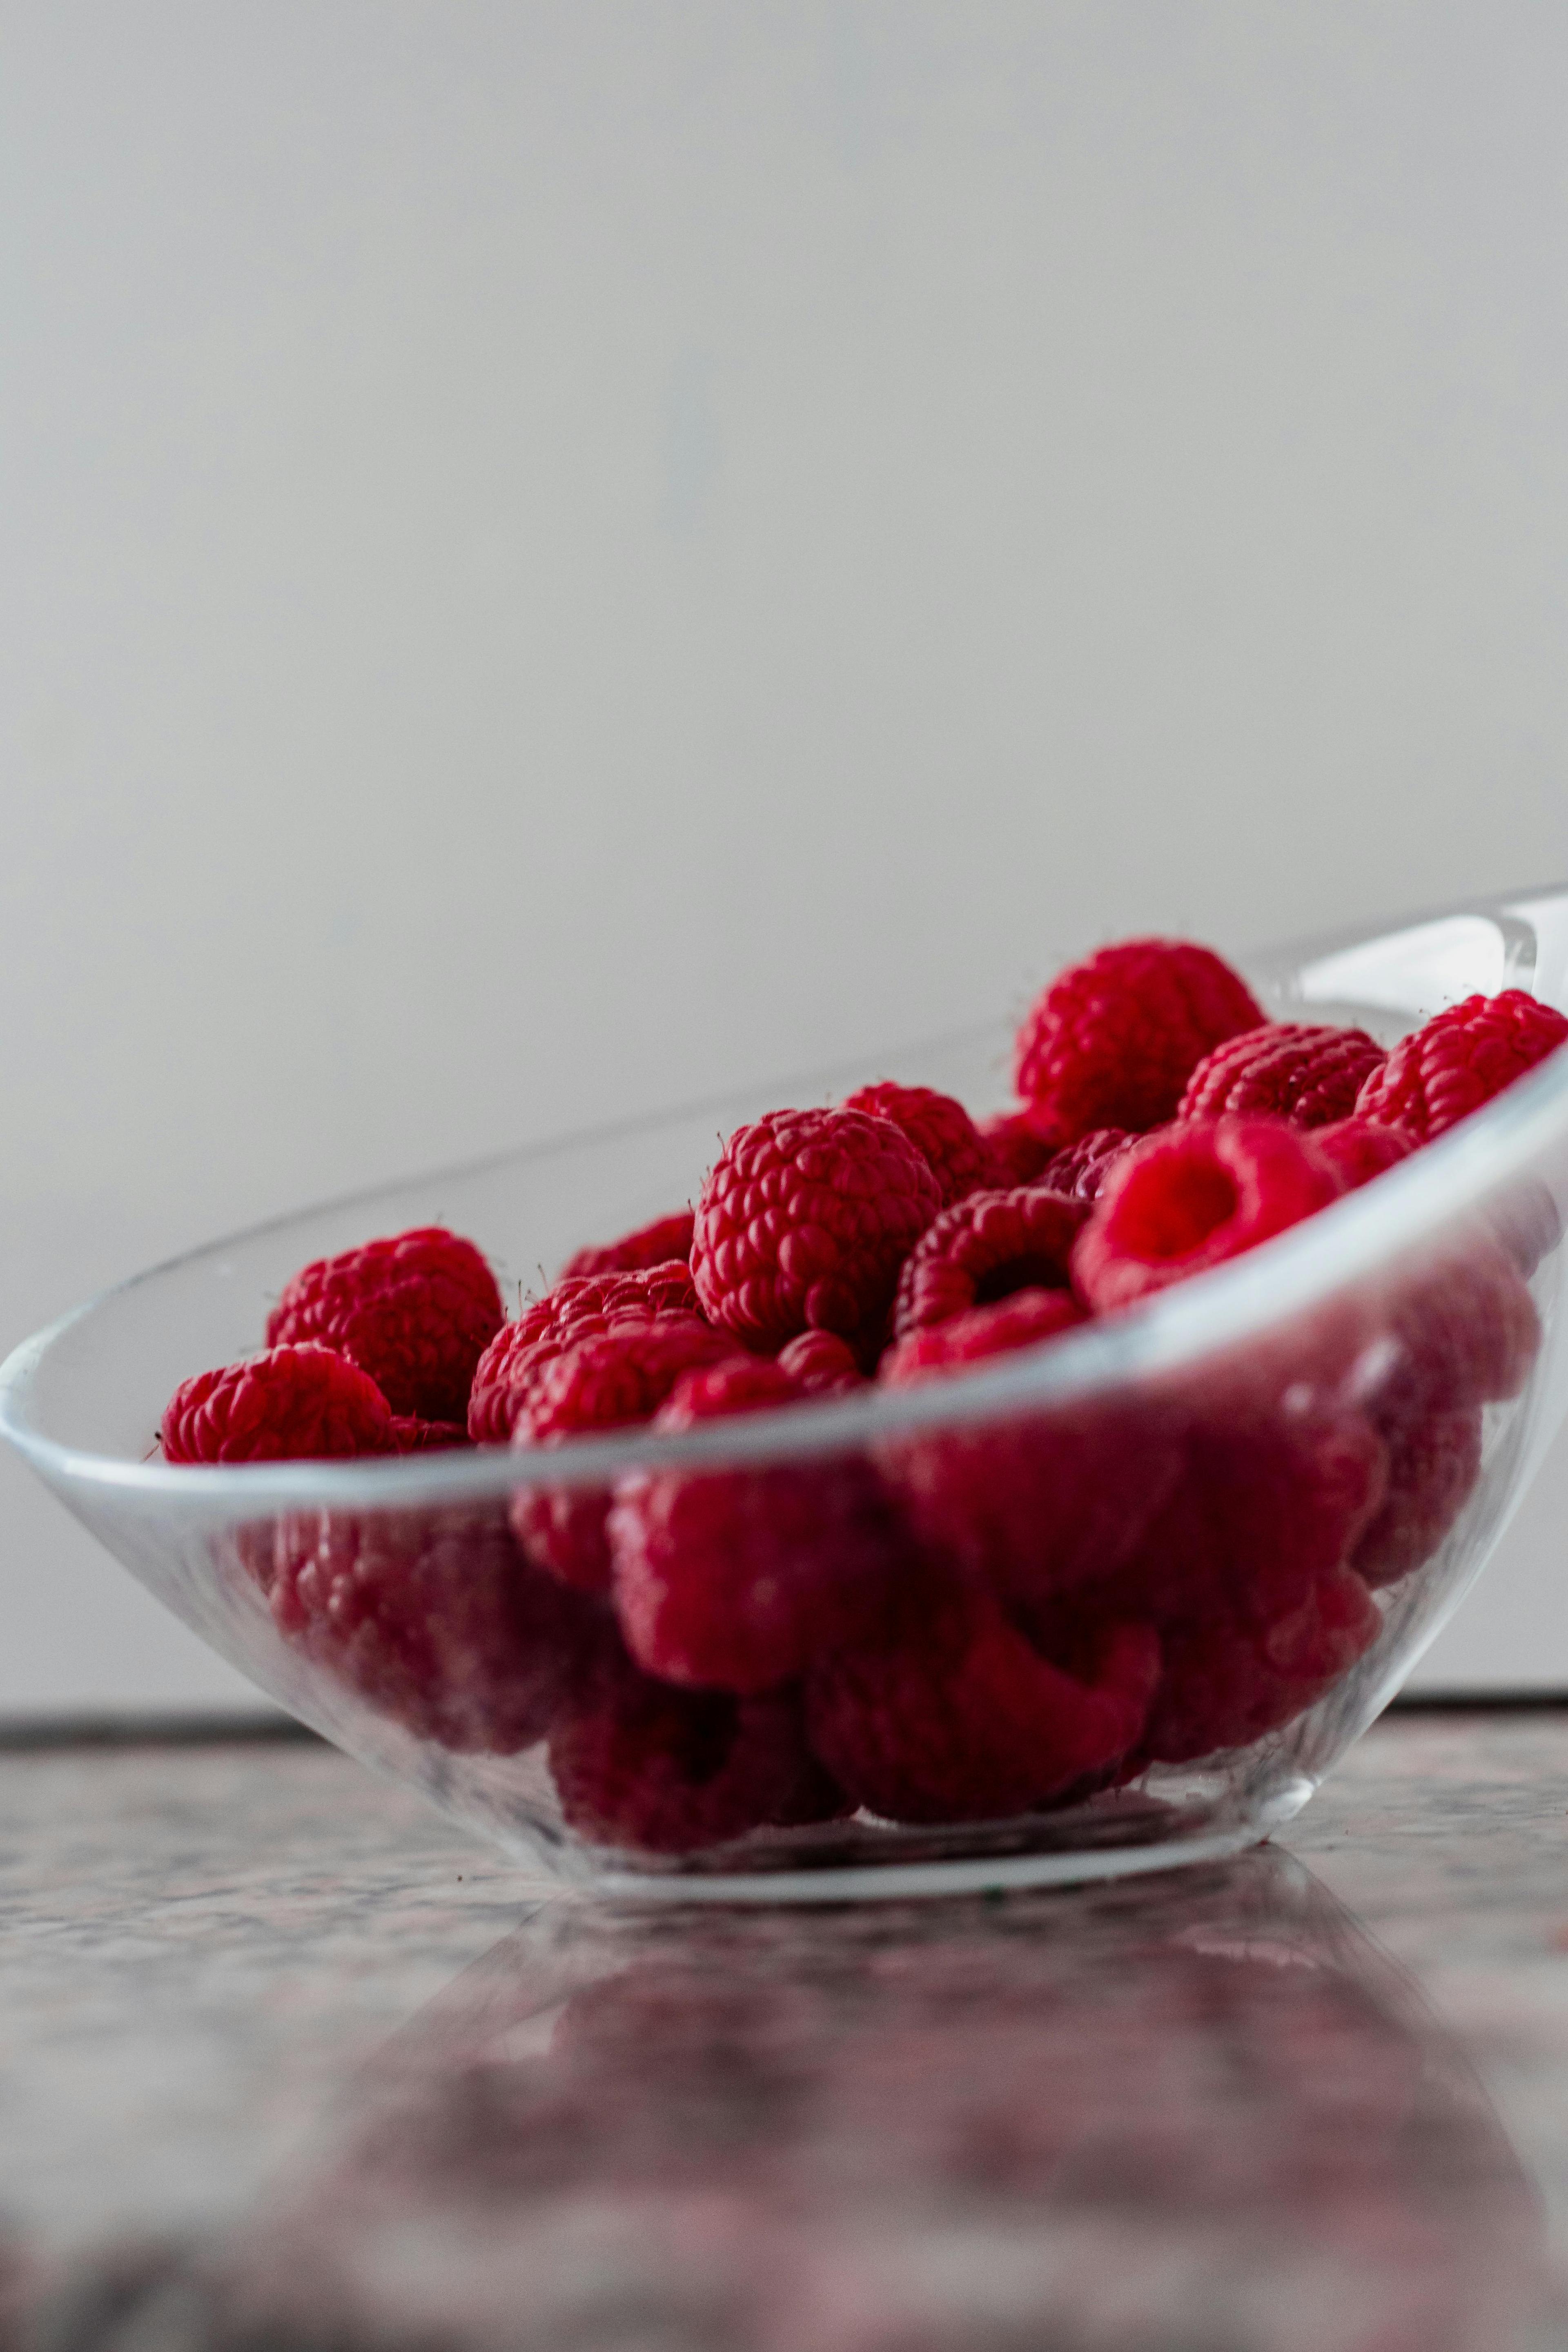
(285,2063)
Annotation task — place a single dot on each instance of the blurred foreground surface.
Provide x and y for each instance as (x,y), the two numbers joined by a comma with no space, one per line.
(288,2064)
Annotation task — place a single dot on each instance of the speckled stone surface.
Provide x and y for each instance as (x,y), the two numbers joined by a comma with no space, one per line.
(284,2061)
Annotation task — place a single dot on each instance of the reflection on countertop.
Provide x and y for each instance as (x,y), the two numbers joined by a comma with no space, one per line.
(1204,2112)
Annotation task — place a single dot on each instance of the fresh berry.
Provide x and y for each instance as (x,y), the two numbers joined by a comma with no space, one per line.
(1112,1041)
(1191,1198)
(1225,1683)
(1080,1170)
(940,1128)
(1297,1070)
(641,1766)
(294,1403)
(578,1305)
(735,1579)
(434,1618)
(1033,1501)
(649,1246)
(804,1223)
(821,1364)
(1433,1466)
(412,1435)
(1458,1331)
(1460,1060)
(1358,1149)
(958,1718)
(1019,1152)
(607,1380)
(415,1312)
(984,1250)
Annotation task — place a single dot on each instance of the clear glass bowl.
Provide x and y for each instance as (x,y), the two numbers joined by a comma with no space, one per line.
(1215,1432)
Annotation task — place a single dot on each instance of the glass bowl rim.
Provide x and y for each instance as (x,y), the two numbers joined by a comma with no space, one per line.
(1363,1233)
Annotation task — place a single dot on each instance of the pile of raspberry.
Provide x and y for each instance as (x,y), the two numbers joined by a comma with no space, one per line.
(972,1619)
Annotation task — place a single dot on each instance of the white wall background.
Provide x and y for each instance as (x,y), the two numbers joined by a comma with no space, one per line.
(558,556)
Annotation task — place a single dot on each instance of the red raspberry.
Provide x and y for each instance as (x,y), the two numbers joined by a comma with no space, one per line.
(735,1580)
(1111,1042)
(1460,1331)
(1080,1171)
(821,1364)
(1297,1070)
(984,1250)
(641,1766)
(414,1311)
(1037,1501)
(1460,1060)
(1225,1684)
(412,1435)
(578,1305)
(958,1718)
(1264,1511)
(1018,1150)
(434,1618)
(804,1223)
(941,1130)
(607,1380)
(294,1403)
(1357,1150)
(1433,1466)
(651,1245)
(1181,1202)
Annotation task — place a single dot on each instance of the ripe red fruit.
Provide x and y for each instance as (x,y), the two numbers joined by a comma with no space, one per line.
(1080,1170)
(1460,1060)
(640,1766)
(607,1380)
(941,1130)
(958,1718)
(578,1305)
(1303,1071)
(804,1223)
(651,1245)
(1358,1149)
(1433,1466)
(734,1579)
(432,1617)
(1225,1683)
(294,1403)
(821,1364)
(1111,1042)
(1033,1501)
(412,1435)
(1188,1199)
(984,1250)
(414,1311)
(1018,1150)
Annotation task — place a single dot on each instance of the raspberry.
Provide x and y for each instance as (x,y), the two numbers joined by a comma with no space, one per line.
(414,1311)
(804,1223)
(1225,1684)
(1263,1511)
(603,1381)
(1460,1331)
(984,1250)
(578,1305)
(665,1771)
(1181,1202)
(959,1718)
(735,1580)
(651,1245)
(1433,1466)
(821,1364)
(1297,1070)
(1460,1060)
(432,1617)
(941,1130)
(1080,1171)
(412,1435)
(294,1403)
(1032,1503)
(1357,1150)
(1111,1042)
(1018,1150)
